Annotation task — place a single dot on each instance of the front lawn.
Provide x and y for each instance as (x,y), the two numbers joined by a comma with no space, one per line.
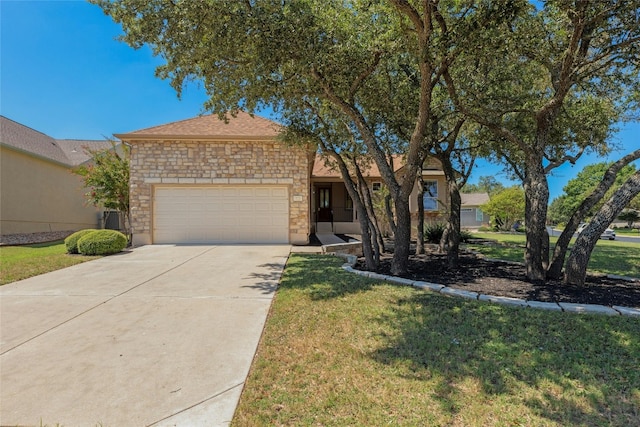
(628,231)
(22,262)
(611,257)
(339,349)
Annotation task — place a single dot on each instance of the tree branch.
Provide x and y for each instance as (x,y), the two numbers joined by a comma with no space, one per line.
(363,76)
(407,9)
(554,163)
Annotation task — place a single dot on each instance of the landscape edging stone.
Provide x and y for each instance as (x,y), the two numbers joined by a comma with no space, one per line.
(541,305)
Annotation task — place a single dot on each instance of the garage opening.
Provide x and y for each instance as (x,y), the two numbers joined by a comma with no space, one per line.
(221,214)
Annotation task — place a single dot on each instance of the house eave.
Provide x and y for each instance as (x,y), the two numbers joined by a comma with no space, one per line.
(36,156)
(432,173)
(132,138)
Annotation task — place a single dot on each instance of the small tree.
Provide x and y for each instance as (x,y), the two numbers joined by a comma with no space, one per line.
(107,178)
(507,207)
(630,216)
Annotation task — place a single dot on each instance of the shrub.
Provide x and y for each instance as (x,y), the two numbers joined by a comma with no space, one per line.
(465,236)
(71,242)
(102,242)
(433,232)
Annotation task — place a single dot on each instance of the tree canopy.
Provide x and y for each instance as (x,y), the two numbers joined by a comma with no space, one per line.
(486,184)
(550,89)
(543,82)
(578,188)
(106,175)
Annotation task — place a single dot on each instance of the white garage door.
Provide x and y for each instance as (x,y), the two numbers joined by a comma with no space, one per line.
(221,214)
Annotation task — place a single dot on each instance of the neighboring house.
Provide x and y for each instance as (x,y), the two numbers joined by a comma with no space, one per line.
(471,216)
(39,193)
(203,180)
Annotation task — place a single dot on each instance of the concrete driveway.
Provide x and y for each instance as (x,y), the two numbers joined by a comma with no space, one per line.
(161,335)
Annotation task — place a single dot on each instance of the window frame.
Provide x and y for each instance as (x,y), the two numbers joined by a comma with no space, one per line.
(430,200)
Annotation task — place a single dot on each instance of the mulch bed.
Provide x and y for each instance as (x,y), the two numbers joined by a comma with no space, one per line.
(32,238)
(506,279)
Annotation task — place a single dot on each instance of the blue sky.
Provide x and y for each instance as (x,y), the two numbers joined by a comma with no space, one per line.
(63,73)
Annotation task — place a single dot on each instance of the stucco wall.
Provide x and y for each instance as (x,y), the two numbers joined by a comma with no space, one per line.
(215,163)
(41,196)
(443,194)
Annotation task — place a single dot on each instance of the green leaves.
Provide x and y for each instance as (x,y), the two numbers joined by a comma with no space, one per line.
(507,205)
(107,178)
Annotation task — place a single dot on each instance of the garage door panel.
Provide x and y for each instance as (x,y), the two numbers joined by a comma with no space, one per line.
(264,193)
(221,214)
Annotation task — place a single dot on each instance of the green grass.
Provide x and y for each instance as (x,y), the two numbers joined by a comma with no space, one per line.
(22,262)
(339,349)
(628,231)
(612,257)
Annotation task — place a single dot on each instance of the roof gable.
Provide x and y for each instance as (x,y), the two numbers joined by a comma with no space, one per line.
(209,126)
(25,139)
(67,152)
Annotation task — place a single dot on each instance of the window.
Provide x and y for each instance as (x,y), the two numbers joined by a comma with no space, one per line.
(376,186)
(430,196)
(348,203)
(324,198)
(479,215)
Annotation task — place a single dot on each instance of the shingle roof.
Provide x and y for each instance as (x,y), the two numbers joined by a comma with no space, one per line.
(474,199)
(68,152)
(210,126)
(324,169)
(76,149)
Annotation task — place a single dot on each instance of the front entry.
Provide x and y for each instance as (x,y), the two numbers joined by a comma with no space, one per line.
(323,202)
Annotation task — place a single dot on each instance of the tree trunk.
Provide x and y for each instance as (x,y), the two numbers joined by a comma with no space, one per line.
(376,238)
(420,240)
(576,269)
(451,237)
(454,225)
(536,189)
(365,222)
(559,253)
(389,211)
(402,237)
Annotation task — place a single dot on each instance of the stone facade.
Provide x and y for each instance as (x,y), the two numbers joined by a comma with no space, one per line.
(216,162)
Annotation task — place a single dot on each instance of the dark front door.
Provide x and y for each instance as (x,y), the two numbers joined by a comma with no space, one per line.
(324,204)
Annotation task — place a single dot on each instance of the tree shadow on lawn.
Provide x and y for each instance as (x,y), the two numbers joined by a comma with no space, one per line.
(617,258)
(571,369)
(321,277)
(568,368)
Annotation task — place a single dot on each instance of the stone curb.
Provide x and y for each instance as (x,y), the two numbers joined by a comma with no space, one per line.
(445,290)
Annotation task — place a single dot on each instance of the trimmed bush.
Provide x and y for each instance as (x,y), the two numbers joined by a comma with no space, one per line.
(71,242)
(102,242)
